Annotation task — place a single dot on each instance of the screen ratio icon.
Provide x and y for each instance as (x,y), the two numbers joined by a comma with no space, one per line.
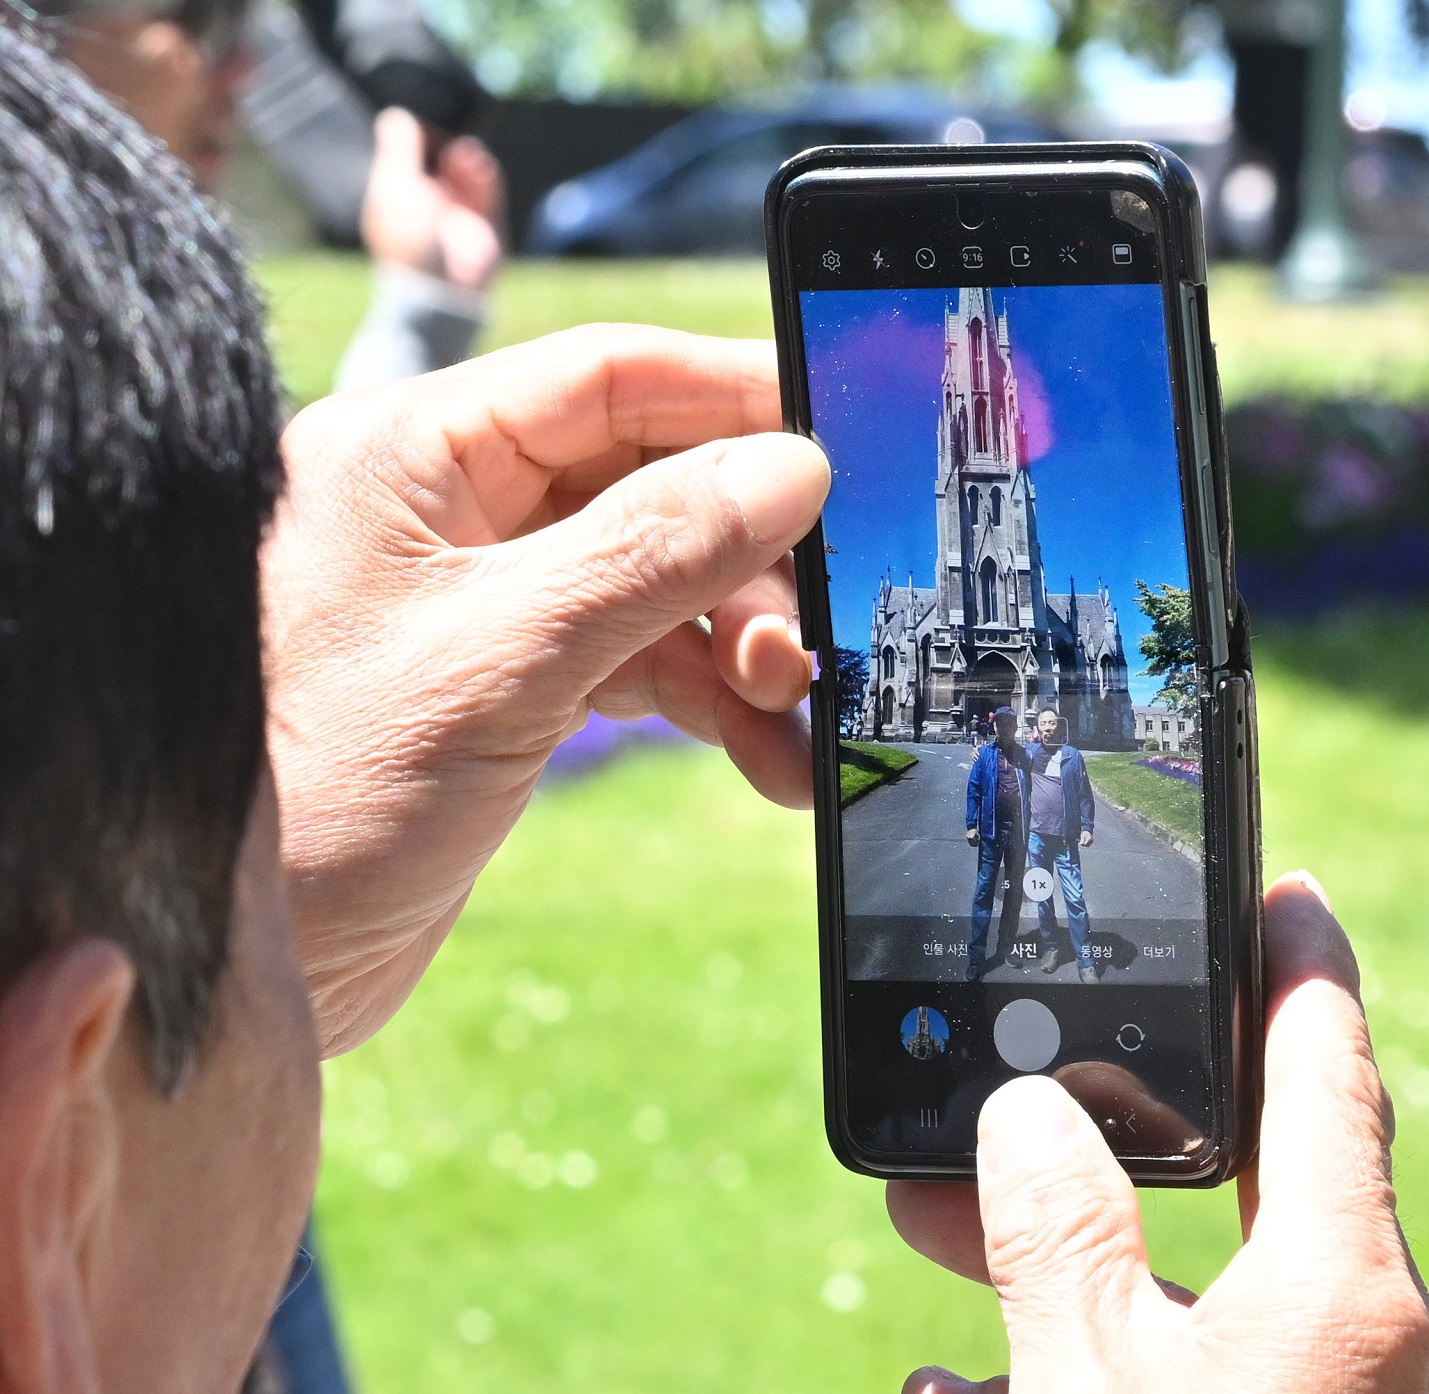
(972,258)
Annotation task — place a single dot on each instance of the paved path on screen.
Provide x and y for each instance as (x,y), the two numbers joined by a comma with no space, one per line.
(906,855)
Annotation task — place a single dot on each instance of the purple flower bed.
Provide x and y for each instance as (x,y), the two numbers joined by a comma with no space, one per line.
(601,740)
(1331,502)
(1174,767)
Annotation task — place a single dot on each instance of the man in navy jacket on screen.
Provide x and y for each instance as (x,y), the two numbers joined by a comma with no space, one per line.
(998,805)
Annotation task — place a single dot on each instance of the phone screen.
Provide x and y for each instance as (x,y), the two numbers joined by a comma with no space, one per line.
(1010,598)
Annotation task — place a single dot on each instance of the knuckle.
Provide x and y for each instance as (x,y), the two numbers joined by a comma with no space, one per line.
(1406,1319)
(664,537)
(1056,1229)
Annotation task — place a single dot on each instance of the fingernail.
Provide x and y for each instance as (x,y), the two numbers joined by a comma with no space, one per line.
(1315,889)
(1024,1124)
(777,482)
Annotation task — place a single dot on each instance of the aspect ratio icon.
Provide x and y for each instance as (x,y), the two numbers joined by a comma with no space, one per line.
(972,258)
(925,258)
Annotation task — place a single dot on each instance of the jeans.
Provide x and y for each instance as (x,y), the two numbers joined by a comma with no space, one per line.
(1048,852)
(1006,850)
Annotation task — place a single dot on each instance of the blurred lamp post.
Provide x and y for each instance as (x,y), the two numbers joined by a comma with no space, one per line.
(1324,259)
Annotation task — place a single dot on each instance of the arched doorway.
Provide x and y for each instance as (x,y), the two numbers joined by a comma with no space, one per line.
(991,684)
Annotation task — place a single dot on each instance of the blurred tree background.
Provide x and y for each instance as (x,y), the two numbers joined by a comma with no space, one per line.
(696,51)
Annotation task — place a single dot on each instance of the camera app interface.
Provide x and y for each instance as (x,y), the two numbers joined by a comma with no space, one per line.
(1019,743)
(1019,753)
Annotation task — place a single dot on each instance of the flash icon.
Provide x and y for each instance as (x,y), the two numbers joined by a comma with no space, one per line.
(878,260)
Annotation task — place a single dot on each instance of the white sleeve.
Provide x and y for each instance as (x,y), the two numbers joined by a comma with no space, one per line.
(416,323)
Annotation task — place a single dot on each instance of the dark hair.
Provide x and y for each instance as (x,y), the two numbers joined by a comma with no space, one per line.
(138,467)
(1042,711)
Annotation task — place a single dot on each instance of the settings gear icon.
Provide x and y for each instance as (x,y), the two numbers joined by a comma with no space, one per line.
(831,260)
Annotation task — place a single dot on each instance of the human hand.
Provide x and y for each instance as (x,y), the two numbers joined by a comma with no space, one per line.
(973,837)
(444,223)
(1086,838)
(1323,1296)
(465,566)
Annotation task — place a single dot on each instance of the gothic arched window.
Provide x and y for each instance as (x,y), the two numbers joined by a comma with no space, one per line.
(888,706)
(994,503)
(888,662)
(927,654)
(976,353)
(987,576)
(1106,671)
(962,433)
(974,502)
(980,426)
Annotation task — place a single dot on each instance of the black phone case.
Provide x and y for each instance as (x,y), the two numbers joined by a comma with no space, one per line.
(1227,716)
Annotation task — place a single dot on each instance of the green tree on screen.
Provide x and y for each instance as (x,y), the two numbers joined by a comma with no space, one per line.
(852,670)
(1170,648)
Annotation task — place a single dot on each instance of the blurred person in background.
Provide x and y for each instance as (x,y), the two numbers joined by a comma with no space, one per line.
(429,212)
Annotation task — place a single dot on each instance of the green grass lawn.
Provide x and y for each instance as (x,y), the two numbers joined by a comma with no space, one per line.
(864,765)
(1375,345)
(590,1152)
(1126,780)
(631,1003)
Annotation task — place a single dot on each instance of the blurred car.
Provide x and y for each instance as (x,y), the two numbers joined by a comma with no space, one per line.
(698,186)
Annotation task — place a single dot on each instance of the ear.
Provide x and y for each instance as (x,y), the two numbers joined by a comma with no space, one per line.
(61,1022)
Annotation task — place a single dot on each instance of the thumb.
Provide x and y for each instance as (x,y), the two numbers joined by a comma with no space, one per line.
(472,175)
(400,144)
(668,542)
(1063,1235)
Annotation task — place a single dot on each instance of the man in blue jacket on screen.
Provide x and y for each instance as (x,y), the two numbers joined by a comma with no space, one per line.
(1064,813)
(998,806)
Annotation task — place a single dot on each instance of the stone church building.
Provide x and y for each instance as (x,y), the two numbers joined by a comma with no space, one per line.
(988,633)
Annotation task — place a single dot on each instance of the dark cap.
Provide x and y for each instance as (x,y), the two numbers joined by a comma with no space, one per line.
(1003,711)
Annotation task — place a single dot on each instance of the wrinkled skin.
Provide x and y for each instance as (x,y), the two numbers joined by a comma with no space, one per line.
(1323,1298)
(466,566)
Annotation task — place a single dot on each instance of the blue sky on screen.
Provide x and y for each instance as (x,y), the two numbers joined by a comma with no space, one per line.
(1096,397)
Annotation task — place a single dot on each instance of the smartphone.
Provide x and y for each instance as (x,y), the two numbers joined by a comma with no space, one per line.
(1034,721)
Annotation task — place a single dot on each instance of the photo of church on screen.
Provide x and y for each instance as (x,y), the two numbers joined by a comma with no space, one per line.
(1005,514)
